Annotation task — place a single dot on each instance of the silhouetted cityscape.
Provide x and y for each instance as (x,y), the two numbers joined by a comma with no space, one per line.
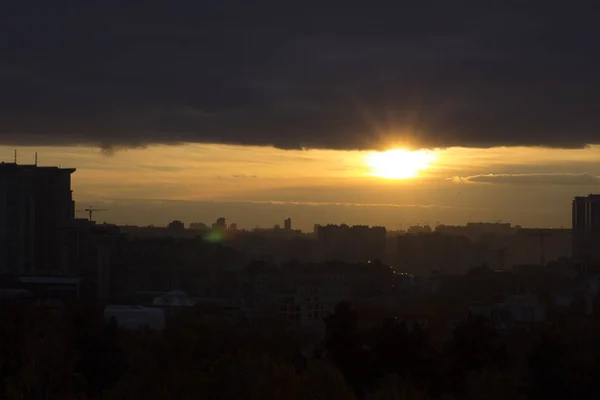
(270,200)
(384,310)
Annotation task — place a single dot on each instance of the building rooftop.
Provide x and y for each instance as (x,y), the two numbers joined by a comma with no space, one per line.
(13,165)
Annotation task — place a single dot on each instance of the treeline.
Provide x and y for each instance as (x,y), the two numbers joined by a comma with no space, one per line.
(75,355)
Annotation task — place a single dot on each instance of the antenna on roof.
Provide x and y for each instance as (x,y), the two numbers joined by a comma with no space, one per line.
(15,156)
(35,161)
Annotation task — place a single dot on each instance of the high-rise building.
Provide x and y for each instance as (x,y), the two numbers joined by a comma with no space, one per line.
(287,224)
(586,227)
(36,205)
(579,209)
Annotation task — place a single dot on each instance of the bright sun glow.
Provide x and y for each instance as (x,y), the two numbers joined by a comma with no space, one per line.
(398,164)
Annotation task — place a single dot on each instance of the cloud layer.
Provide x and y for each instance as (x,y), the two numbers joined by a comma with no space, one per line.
(311,74)
(532,179)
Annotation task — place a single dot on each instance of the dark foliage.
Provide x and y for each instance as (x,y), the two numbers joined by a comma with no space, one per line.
(74,353)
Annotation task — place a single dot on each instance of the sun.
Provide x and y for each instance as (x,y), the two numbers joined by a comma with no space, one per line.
(398,164)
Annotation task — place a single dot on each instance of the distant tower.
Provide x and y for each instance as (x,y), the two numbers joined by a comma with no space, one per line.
(287,224)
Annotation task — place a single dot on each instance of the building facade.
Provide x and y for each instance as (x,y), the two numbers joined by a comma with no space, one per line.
(586,227)
(36,204)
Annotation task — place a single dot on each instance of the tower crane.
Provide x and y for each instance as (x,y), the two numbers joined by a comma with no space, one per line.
(91,210)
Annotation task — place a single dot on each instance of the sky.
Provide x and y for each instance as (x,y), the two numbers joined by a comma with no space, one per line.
(260,110)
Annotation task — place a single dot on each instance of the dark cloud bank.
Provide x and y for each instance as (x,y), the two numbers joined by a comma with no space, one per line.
(323,74)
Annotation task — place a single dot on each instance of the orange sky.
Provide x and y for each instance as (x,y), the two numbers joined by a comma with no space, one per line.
(502,183)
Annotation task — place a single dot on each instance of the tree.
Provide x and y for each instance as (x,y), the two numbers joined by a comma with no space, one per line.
(256,376)
(474,347)
(44,359)
(347,348)
(402,351)
(492,385)
(394,387)
(322,380)
(563,364)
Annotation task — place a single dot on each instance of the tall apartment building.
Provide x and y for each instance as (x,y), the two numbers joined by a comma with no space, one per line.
(36,204)
(586,227)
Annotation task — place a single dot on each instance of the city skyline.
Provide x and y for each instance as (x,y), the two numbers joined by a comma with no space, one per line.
(342,200)
(262,186)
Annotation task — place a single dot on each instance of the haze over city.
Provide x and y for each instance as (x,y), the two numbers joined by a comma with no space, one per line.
(262,185)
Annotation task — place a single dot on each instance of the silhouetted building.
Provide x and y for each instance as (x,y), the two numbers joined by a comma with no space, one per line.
(417,229)
(586,227)
(579,208)
(422,253)
(477,230)
(36,205)
(287,224)
(220,224)
(541,244)
(352,243)
(199,226)
(176,225)
(308,292)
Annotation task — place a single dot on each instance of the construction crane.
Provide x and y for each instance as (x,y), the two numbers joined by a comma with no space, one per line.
(91,210)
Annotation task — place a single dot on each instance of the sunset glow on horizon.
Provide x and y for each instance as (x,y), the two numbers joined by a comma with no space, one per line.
(399,164)
(220,173)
